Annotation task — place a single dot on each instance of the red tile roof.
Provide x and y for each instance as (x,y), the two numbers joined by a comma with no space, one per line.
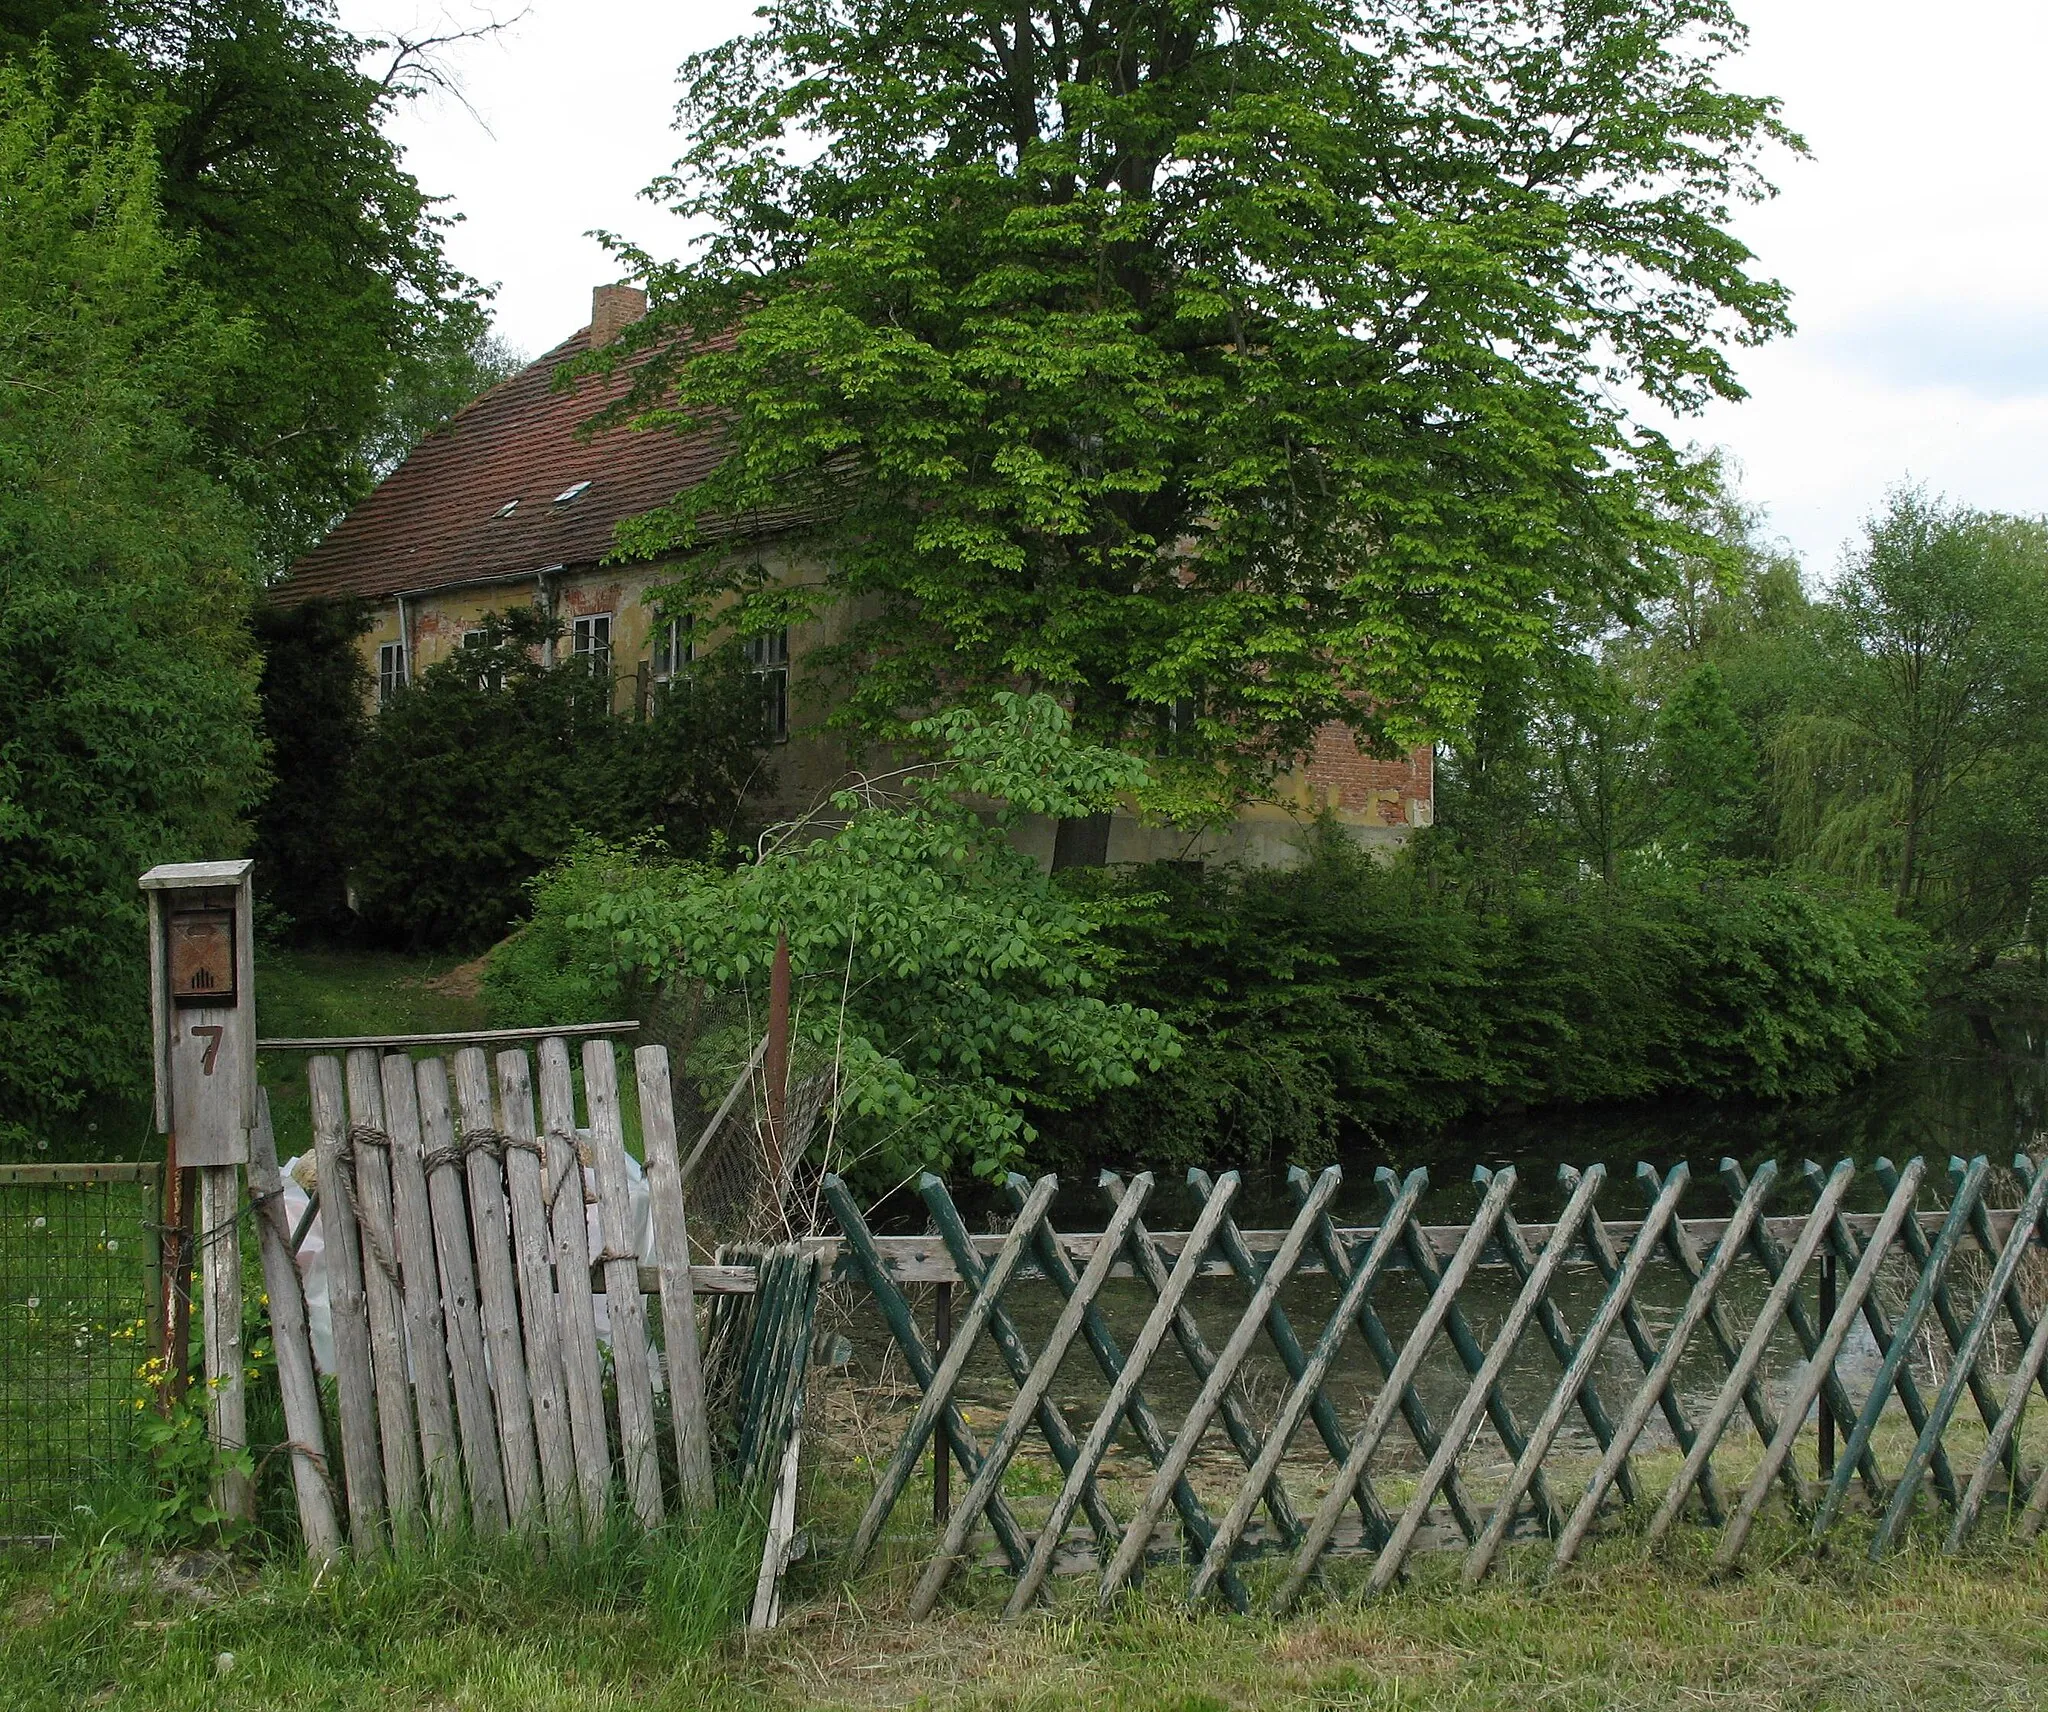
(432,522)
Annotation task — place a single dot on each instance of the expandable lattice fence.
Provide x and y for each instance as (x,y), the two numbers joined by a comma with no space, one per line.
(78,1283)
(1385,1389)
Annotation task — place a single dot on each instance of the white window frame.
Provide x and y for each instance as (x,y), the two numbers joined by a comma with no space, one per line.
(583,628)
(675,649)
(768,657)
(393,672)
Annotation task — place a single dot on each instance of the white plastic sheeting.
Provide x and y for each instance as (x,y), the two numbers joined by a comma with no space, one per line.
(312,1256)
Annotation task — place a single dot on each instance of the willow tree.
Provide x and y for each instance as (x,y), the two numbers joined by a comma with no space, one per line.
(1222,368)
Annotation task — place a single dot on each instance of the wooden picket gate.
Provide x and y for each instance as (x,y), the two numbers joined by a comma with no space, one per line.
(473,1388)
(1817,1272)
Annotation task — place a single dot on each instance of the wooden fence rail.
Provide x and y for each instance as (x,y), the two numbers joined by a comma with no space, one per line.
(1810,1278)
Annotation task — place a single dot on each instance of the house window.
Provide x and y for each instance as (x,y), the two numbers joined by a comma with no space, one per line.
(491,676)
(390,671)
(769,656)
(590,640)
(675,650)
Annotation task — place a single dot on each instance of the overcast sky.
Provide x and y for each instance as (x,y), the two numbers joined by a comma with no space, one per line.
(1915,240)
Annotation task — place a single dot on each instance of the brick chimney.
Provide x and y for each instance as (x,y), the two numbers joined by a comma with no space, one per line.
(614,308)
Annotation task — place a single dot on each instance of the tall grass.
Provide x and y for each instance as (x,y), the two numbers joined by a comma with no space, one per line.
(475,1623)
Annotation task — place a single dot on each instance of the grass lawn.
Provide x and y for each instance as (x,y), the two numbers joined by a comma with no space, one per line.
(330,993)
(641,1630)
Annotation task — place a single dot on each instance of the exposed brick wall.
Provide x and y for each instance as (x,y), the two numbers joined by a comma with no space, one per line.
(1395,793)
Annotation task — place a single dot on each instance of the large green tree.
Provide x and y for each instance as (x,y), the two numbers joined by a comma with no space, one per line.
(1238,366)
(273,159)
(1930,689)
(127,681)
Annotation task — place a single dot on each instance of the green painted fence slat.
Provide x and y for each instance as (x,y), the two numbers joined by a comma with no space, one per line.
(1963,1368)
(1657,1382)
(1339,1263)
(1309,1382)
(903,1327)
(1861,1282)
(1150,1265)
(1167,1309)
(1250,1271)
(1052,1425)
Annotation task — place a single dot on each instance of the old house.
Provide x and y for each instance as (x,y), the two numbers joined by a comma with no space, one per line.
(510,503)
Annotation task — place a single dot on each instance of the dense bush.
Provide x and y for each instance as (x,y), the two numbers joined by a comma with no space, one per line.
(1347,1001)
(484,771)
(315,695)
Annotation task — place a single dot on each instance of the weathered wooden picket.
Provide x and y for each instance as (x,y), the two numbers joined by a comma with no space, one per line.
(1832,1255)
(473,1388)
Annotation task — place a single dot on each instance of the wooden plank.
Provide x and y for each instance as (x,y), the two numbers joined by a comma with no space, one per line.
(538,1316)
(298,1382)
(461,1314)
(1874,1315)
(902,1326)
(1900,1350)
(1203,1410)
(1999,1445)
(420,1281)
(684,1359)
(1194,1348)
(59,1176)
(1576,1375)
(639,1444)
(582,1365)
(1743,1370)
(1763,1243)
(1808,1387)
(1963,1369)
(1109,1357)
(1558,1335)
(369,1149)
(1443,1297)
(1535,1288)
(498,1287)
(1658,1380)
(1009,1342)
(459,1037)
(1308,1385)
(938,1394)
(220,1271)
(1600,1244)
(1080,1481)
(923,1259)
(361,1463)
(1331,1251)
(1025,1406)
(1421,1249)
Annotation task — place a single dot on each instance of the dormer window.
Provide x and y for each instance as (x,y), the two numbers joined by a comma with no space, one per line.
(573,491)
(506,510)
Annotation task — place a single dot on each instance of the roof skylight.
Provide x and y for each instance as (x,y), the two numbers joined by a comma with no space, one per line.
(570,492)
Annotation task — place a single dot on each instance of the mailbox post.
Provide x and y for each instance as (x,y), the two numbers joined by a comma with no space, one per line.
(202,1006)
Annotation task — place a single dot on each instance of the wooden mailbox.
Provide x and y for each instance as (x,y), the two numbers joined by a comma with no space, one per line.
(202,1006)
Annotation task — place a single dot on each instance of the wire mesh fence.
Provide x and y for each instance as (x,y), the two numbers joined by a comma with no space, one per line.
(78,1281)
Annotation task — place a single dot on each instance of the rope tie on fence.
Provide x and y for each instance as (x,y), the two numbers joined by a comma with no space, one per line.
(488,1141)
(607,1255)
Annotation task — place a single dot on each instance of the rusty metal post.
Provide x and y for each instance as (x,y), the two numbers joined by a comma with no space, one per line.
(942,1458)
(775,1066)
(173,1334)
(1827,1415)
